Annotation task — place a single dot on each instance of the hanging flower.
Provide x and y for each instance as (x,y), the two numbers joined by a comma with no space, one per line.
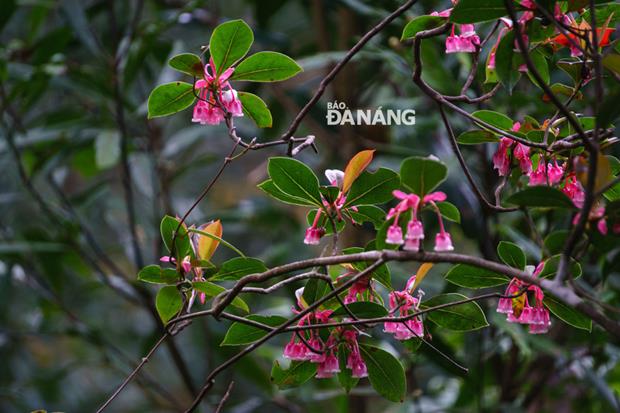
(546,174)
(415,228)
(403,303)
(215,96)
(520,152)
(519,310)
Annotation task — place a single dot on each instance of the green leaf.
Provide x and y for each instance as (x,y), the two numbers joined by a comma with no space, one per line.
(368,213)
(474,137)
(449,211)
(573,67)
(550,267)
(168,227)
(554,242)
(422,175)
(187,63)
(170,98)
(295,179)
(540,64)
(506,62)
(271,189)
(229,42)
(361,309)
(567,314)
(511,254)
(469,276)
(496,119)
(256,109)
(421,23)
(314,290)
(168,302)
(240,334)
(385,372)
(345,376)
(211,290)
(156,275)
(297,374)
(238,267)
(540,197)
(475,11)
(373,188)
(381,273)
(266,67)
(461,317)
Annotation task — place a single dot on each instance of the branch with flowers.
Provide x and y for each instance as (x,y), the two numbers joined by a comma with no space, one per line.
(548,166)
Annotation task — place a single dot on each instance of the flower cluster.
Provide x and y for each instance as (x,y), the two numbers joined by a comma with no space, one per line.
(357,292)
(415,229)
(403,303)
(519,310)
(311,347)
(216,97)
(314,233)
(502,159)
(466,42)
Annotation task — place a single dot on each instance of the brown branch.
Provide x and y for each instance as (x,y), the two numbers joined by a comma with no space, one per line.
(210,379)
(455,147)
(220,406)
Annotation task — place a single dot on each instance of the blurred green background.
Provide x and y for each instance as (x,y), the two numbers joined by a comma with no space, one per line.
(73,320)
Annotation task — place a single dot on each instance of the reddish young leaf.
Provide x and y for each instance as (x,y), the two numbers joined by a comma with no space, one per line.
(206,245)
(355,167)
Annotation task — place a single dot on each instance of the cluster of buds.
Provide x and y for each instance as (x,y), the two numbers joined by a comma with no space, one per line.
(216,97)
(519,310)
(415,228)
(404,303)
(311,347)
(314,233)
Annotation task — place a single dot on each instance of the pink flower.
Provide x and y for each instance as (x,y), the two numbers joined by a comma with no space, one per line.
(443,13)
(214,95)
(415,228)
(394,235)
(354,361)
(295,350)
(467,42)
(328,368)
(555,173)
(537,316)
(357,290)
(574,190)
(404,303)
(597,214)
(522,154)
(501,159)
(185,264)
(412,245)
(443,242)
(335,177)
(312,356)
(550,174)
(232,103)
(314,233)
